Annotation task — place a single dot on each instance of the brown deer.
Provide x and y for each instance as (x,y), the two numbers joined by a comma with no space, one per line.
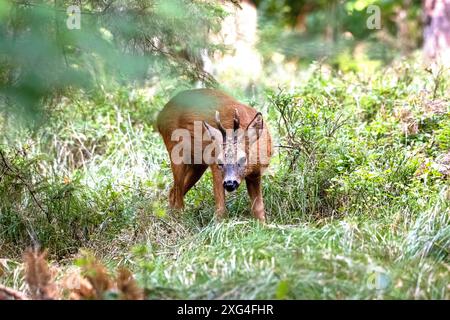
(228,136)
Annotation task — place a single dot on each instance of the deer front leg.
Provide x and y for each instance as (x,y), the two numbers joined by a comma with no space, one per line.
(219,193)
(256,199)
(176,194)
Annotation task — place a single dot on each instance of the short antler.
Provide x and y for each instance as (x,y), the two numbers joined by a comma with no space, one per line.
(219,124)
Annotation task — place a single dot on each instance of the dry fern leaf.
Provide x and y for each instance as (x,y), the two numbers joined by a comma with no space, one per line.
(78,287)
(38,275)
(97,275)
(127,286)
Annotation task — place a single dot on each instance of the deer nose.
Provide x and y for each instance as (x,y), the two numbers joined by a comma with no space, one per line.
(230,185)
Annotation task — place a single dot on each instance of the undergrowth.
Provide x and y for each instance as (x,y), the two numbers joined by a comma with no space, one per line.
(357,196)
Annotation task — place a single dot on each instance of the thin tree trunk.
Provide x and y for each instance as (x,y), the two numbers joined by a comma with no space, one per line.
(437,31)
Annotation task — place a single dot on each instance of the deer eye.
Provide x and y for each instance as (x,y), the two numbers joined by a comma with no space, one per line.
(242,161)
(220,163)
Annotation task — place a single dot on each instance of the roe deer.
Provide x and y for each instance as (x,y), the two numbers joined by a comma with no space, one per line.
(222,133)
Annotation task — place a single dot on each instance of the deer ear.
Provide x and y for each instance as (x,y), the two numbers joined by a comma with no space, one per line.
(255,128)
(213,133)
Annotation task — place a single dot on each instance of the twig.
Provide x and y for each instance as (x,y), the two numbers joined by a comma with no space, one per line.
(29,188)
(11,293)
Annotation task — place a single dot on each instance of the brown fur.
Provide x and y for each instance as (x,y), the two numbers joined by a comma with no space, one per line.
(201,105)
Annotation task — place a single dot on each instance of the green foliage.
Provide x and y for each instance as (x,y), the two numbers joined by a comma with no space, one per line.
(308,122)
(357,195)
(336,31)
(354,197)
(40,57)
(443,134)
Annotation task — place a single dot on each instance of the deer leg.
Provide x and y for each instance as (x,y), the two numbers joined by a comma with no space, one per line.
(176,192)
(219,193)
(255,193)
(193,174)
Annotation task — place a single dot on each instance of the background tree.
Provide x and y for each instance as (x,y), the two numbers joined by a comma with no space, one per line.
(118,42)
(436,32)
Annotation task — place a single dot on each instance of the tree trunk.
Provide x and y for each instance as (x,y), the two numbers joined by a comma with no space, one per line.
(437,31)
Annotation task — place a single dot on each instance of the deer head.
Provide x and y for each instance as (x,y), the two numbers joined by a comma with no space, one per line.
(232,147)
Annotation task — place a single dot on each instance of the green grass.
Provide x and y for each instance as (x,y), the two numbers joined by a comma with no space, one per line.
(337,259)
(357,205)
